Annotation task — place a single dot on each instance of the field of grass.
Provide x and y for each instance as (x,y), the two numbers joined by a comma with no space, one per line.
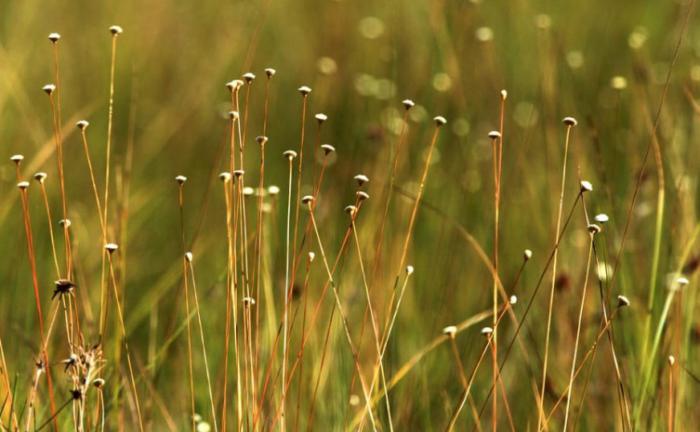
(349,215)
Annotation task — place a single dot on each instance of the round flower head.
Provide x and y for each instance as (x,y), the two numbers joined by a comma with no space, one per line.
(504,94)
(494,135)
(408,104)
(40,177)
(189,257)
(238,173)
(225,176)
(312,256)
(593,229)
(261,139)
(601,218)
(327,149)
(622,301)
(351,209)
(17,158)
(248,301)
(409,269)
(54,37)
(248,191)
(671,360)
(249,77)
(82,124)
(289,154)
(233,115)
(181,179)
(49,89)
(513,299)
(304,90)
(307,199)
(586,186)
(320,117)
(486,331)
(273,190)
(440,121)
(116,30)
(362,195)
(65,222)
(450,331)
(111,247)
(270,72)
(23,185)
(527,254)
(361,179)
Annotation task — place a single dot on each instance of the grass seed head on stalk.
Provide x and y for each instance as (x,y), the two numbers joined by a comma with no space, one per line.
(362,195)
(570,121)
(54,37)
(116,30)
(82,124)
(111,247)
(494,135)
(17,159)
(593,229)
(312,256)
(504,94)
(679,283)
(248,191)
(225,176)
(234,85)
(233,115)
(586,186)
(304,90)
(249,77)
(409,269)
(238,173)
(181,179)
(40,177)
(320,118)
(327,149)
(487,331)
(270,72)
(450,331)
(188,256)
(408,104)
(23,185)
(361,179)
(513,299)
(671,360)
(65,222)
(273,190)
(248,301)
(622,301)
(98,383)
(440,121)
(62,286)
(307,199)
(49,89)
(290,154)
(527,254)
(351,209)
(601,218)
(261,140)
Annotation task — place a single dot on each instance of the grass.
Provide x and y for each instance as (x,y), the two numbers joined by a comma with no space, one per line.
(326,273)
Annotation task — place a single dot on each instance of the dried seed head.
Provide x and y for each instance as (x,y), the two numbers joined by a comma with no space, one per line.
(440,121)
(601,218)
(225,177)
(238,173)
(504,94)
(351,209)
(312,256)
(682,281)
(248,191)
(82,124)
(23,185)
(116,30)
(513,299)
(248,301)
(361,195)
(486,331)
(570,121)
(409,269)
(408,104)
(54,37)
(586,186)
(327,149)
(261,139)
(270,72)
(593,229)
(622,301)
(290,154)
(233,115)
(181,179)
(189,256)
(273,190)
(40,177)
(304,90)
(65,222)
(527,254)
(99,383)
(49,89)
(320,117)
(249,77)
(111,247)
(62,286)
(17,158)
(307,199)
(671,360)
(494,135)
(450,331)
(361,179)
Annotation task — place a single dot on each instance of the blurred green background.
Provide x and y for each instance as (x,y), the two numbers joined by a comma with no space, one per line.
(603,62)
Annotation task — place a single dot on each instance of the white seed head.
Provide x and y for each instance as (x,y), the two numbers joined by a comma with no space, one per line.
(362,195)
(270,72)
(320,117)
(304,90)
(622,301)
(290,154)
(82,124)
(273,190)
(65,222)
(307,199)
(494,135)
(586,186)
(99,382)
(23,185)
(682,281)
(40,177)
(361,179)
(116,30)
(409,269)
(188,256)
(486,331)
(570,121)
(238,173)
(261,139)
(593,229)
(527,254)
(601,218)
(408,104)
(671,360)
(225,176)
(249,77)
(513,299)
(312,256)
(54,37)
(233,115)
(111,247)
(181,179)
(440,121)
(351,209)
(49,88)
(504,94)
(327,149)
(248,301)
(450,331)
(248,191)
(17,158)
